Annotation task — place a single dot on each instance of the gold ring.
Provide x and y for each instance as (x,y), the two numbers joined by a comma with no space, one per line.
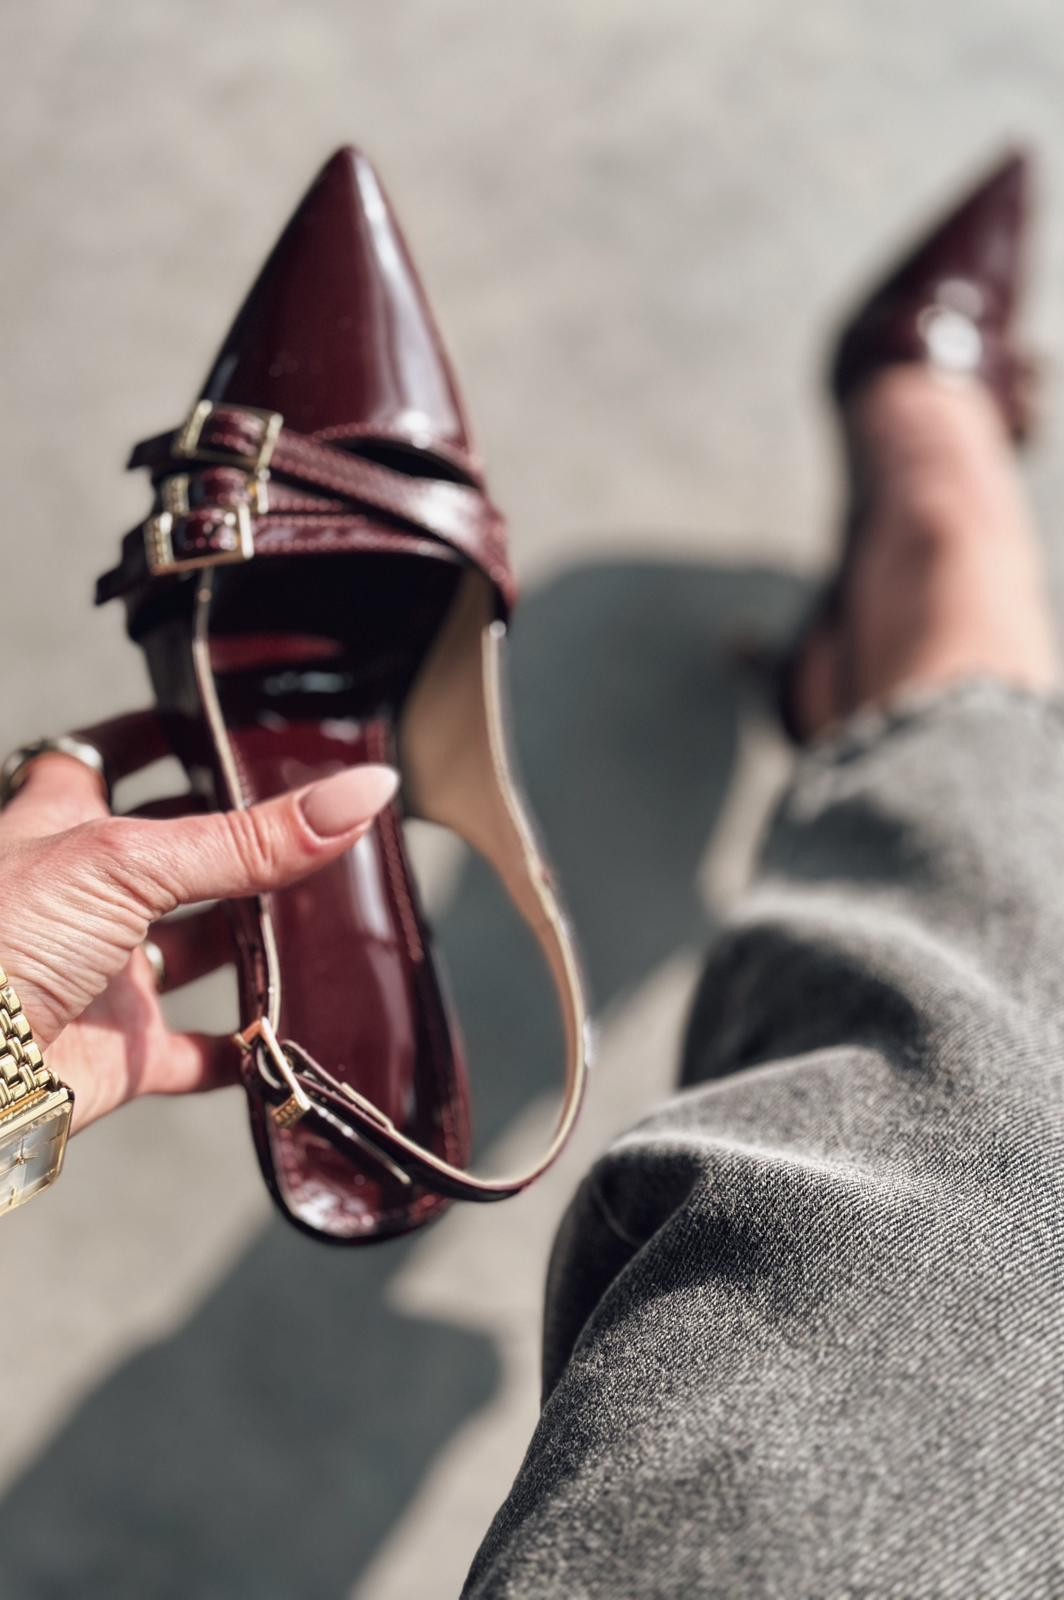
(156,961)
(16,767)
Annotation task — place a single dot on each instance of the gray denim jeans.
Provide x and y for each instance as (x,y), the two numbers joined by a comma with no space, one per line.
(805,1324)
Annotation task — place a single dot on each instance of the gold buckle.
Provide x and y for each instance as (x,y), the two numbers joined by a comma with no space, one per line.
(295,1108)
(159,529)
(187,443)
(159,543)
(177,500)
(299,1102)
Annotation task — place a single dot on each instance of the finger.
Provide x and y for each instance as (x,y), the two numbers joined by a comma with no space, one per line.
(158,1062)
(57,793)
(190,1063)
(128,743)
(170,805)
(158,866)
(193,945)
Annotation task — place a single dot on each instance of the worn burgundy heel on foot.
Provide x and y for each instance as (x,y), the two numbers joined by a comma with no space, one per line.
(951,305)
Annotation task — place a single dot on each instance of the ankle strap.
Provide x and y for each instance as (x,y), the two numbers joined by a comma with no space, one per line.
(457,774)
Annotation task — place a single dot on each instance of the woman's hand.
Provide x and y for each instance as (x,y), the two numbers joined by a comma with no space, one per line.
(80,890)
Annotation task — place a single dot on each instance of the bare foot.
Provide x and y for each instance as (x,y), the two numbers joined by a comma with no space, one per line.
(944,577)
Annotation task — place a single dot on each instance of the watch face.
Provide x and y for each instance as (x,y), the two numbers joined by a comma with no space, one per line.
(32,1143)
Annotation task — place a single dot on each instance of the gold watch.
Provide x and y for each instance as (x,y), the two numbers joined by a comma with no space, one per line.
(35,1109)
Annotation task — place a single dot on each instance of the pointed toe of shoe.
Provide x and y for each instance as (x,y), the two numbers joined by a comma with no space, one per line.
(952,301)
(336,333)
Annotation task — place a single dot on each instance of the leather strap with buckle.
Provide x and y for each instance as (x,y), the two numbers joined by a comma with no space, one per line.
(241,436)
(216,532)
(286,493)
(352,1124)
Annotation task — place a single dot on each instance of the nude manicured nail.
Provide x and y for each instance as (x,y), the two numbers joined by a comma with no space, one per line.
(338,804)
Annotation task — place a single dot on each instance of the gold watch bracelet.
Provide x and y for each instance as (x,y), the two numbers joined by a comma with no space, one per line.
(23,1074)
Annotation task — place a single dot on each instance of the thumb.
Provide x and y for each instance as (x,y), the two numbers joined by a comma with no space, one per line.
(230,854)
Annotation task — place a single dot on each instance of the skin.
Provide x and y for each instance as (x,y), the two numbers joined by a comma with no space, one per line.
(80,890)
(943,581)
(944,577)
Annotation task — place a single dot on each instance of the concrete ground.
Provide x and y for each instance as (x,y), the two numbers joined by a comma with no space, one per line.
(637,222)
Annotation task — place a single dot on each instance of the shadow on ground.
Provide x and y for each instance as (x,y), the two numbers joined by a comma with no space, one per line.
(269,1446)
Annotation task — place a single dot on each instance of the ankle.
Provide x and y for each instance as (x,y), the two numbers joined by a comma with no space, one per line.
(945,575)
(931,460)
(911,428)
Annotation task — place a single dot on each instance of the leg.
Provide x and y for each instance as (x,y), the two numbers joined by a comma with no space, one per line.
(945,578)
(801,1334)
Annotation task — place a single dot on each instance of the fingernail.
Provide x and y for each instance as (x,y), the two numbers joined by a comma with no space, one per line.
(340,803)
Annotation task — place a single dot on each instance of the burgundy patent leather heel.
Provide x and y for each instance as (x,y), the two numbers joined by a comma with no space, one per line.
(324,581)
(953,301)
(951,304)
